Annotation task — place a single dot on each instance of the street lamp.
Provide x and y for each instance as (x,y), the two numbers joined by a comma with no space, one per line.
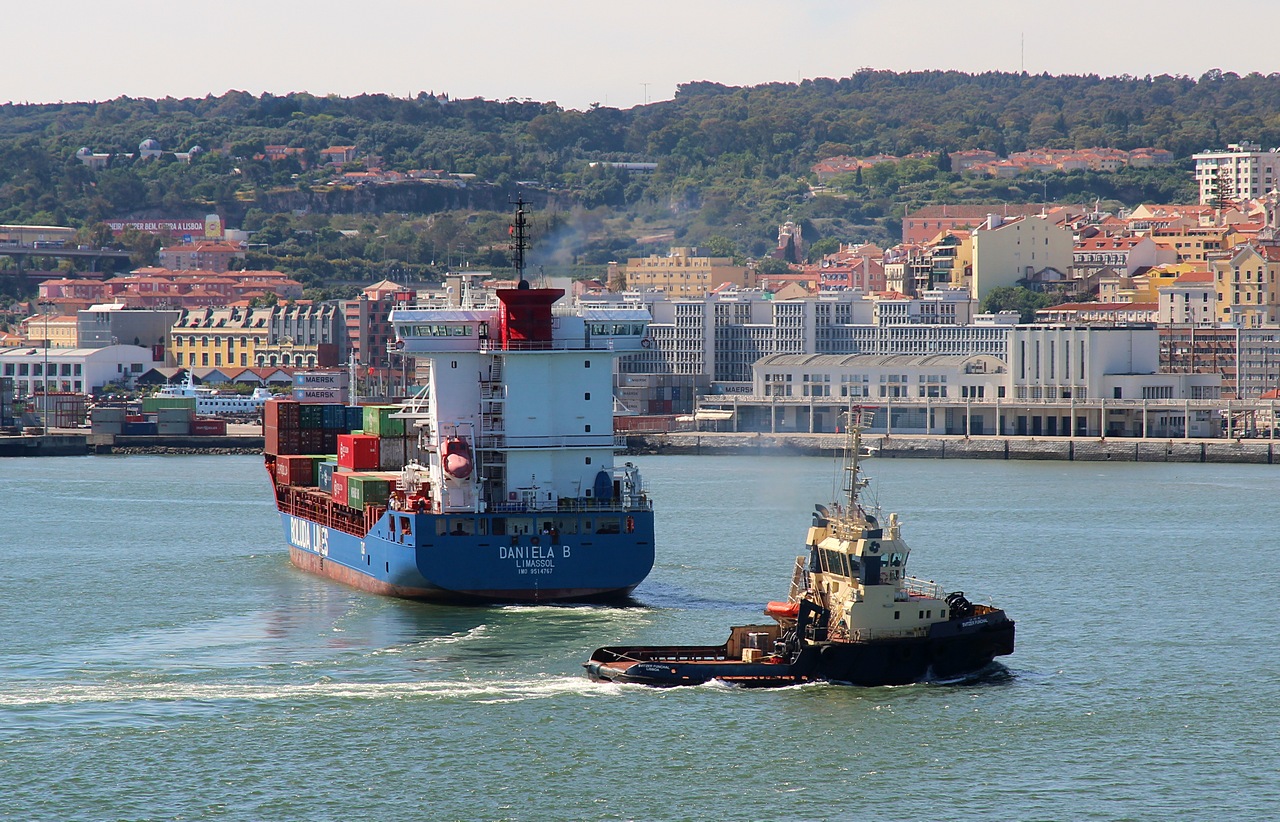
(46,305)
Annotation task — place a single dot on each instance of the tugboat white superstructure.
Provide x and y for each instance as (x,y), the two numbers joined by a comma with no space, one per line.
(853,616)
(508,490)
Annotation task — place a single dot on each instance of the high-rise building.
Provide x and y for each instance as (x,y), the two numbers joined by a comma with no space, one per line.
(1242,172)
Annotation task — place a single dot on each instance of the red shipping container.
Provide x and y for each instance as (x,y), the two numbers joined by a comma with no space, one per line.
(359,452)
(284,415)
(281,442)
(208,428)
(295,471)
(340,487)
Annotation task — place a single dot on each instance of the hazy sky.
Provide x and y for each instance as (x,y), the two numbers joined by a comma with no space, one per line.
(578,52)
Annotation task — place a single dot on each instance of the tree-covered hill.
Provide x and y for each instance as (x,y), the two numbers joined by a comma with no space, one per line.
(731,162)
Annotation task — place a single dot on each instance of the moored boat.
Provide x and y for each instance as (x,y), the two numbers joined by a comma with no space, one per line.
(209,401)
(853,616)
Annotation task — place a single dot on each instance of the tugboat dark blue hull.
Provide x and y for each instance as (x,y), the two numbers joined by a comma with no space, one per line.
(953,650)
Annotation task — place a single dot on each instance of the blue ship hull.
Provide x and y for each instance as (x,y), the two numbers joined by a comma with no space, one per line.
(415,556)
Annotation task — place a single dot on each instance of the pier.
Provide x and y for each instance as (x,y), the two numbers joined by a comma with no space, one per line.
(1070,449)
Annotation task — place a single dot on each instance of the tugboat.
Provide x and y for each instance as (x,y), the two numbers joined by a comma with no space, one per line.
(853,616)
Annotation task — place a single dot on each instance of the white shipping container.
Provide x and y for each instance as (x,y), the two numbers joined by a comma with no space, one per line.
(320,395)
(320,379)
(392,452)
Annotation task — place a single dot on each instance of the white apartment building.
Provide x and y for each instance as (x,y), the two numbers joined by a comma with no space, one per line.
(1245,167)
(1190,300)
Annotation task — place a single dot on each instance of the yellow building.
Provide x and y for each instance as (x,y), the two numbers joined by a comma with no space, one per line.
(1006,251)
(60,330)
(212,337)
(1144,286)
(1192,245)
(681,274)
(1245,286)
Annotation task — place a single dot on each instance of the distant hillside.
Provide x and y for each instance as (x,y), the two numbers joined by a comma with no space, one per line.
(731,162)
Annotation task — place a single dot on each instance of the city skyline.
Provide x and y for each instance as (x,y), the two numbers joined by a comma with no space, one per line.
(619,56)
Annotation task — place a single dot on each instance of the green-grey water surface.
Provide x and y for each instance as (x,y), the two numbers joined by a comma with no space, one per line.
(160,658)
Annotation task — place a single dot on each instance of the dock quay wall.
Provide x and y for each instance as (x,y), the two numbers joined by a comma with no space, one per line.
(1264,451)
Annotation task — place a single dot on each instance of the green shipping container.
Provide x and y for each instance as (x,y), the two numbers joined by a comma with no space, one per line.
(364,490)
(311,416)
(151,405)
(378,421)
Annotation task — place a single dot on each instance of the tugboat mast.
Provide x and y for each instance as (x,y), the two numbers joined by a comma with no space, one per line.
(853,483)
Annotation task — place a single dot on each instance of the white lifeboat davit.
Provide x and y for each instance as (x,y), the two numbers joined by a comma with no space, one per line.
(455,457)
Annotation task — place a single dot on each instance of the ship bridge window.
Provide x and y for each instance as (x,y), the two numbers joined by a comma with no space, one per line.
(834,563)
(435,331)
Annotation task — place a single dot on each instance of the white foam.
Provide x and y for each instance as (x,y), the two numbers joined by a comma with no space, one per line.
(481,692)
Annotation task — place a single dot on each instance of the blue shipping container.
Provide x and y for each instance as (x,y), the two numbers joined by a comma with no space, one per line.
(334,417)
(326,475)
(355,417)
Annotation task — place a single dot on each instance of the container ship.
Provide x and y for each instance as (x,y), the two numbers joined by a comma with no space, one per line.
(496,482)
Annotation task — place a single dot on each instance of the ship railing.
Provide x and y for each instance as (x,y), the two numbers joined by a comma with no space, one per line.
(497,440)
(563,344)
(799,579)
(570,504)
(919,587)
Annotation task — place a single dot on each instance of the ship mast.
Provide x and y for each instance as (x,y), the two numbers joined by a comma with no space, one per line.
(853,482)
(520,242)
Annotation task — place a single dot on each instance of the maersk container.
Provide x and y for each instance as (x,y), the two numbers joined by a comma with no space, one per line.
(363,490)
(379,422)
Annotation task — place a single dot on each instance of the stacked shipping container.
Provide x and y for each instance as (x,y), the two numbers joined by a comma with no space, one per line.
(358,442)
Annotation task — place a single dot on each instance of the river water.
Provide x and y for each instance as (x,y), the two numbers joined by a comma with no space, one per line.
(160,658)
